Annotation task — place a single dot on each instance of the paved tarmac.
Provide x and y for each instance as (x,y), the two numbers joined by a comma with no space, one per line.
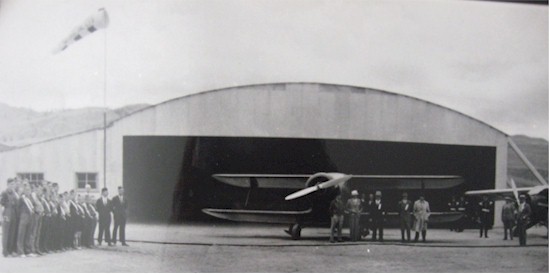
(255,248)
(242,234)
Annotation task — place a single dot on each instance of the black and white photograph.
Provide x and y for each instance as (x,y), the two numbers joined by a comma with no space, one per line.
(385,136)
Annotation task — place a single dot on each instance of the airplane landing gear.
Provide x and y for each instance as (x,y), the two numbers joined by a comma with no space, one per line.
(294,231)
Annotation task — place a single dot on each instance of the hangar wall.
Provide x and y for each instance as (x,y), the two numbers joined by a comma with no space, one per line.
(59,159)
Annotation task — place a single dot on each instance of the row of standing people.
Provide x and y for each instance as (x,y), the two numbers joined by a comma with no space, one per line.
(38,220)
(354,206)
(483,214)
(512,215)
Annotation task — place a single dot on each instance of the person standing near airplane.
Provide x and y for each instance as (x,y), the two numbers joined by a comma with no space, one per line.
(462,207)
(378,213)
(452,208)
(508,218)
(368,222)
(363,221)
(104,207)
(524,217)
(405,208)
(421,210)
(354,209)
(336,217)
(485,209)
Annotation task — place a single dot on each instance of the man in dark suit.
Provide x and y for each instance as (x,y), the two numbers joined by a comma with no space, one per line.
(485,215)
(405,207)
(104,207)
(378,213)
(120,206)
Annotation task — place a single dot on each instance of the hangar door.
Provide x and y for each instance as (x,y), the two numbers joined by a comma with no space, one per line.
(169,178)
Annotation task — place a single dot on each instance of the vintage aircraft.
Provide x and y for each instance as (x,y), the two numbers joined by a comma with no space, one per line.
(536,196)
(327,186)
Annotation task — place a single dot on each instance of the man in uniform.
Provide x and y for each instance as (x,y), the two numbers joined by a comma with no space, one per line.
(62,218)
(377,213)
(91,221)
(8,201)
(354,209)
(452,208)
(104,207)
(462,207)
(45,228)
(36,224)
(524,215)
(120,208)
(26,210)
(485,209)
(14,221)
(508,217)
(51,241)
(405,208)
(336,217)
(68,233)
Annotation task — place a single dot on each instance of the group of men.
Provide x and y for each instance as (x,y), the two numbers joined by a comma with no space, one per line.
(461,205)
(516,215)
(38,219)
(355,206)
(512,215)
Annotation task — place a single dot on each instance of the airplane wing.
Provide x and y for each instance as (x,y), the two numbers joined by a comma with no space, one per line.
(402,182)
(498,194)
(286,181)
(297,181)
(258,216)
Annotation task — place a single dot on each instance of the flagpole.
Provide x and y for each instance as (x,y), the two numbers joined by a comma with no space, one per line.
(105,108)
(99,20)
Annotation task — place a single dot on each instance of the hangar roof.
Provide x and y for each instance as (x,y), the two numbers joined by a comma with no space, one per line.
(308,83)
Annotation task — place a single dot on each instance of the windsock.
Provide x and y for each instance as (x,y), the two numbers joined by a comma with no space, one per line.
(95,22)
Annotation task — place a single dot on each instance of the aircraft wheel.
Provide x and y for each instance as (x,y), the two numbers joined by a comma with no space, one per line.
(295,231)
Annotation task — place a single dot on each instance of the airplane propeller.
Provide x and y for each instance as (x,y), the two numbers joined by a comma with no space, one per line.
(515,189)
(334,179)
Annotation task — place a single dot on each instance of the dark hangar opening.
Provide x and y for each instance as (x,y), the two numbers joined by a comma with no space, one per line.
(168,178)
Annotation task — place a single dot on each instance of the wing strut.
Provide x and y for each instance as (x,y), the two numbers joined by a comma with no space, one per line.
(526,162)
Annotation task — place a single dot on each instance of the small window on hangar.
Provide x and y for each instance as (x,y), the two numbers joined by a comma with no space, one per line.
(32,177)
(86,178)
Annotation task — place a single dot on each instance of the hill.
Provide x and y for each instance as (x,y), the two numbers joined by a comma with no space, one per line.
(22,126)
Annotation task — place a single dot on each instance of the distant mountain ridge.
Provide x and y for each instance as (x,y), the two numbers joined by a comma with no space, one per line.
(21,126)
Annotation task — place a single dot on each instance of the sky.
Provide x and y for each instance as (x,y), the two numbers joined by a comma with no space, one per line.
(487,60)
